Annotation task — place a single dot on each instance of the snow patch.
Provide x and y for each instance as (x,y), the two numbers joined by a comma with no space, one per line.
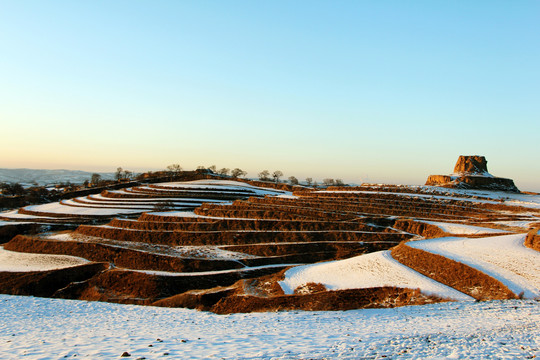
(366,271)
(461,229)
(11,261)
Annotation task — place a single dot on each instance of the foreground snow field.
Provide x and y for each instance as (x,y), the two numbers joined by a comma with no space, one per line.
(36,328)
(365,271)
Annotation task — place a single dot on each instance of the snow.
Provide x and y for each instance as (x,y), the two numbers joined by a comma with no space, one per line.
(288,196)
(126,204)
(11,261)
(35,328)
(14,214)
(461,229)
(3,223)
(98,205)
(104,199)
(222,185)
(191,214)
(503,257)
(476,174)
(424,196)
(509,198)
(58,208)
(366,271)
(211,252)
(476,196)
(520,224)
(215,272)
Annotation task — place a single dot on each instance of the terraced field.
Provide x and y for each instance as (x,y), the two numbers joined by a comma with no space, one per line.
(229,246)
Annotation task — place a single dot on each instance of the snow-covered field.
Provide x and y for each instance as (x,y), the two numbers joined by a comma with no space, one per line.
(35,328)
(366,271)
(59,208)
(12,261)
(217,185)
(100,205)
(502,257)
(13,214)
(462,229)
(2,223)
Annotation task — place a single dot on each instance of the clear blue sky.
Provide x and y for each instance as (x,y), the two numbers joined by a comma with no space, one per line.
(386,91)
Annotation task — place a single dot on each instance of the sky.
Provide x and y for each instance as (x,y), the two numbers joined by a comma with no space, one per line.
(364,91)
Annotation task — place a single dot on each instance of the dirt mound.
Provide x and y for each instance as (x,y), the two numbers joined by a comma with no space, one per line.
(47,283)
(197,299)
(325,300)
(419,228)
(145,288)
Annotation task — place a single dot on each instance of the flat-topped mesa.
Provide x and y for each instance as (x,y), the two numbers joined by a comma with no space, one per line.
(471,172)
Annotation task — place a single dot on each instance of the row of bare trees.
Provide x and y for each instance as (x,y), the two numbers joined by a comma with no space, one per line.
(235,173)
(276,175)
(265,175)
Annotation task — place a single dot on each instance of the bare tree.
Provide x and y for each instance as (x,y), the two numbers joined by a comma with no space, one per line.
(174,169)
(122,174)
(309,181)
(264,175)
(119,175)
(328,182)
(224,171)
(213,168)
(236,173)
(201,167)
(339,182)
(276,175)
(293,180)
(95,179)
(11,189)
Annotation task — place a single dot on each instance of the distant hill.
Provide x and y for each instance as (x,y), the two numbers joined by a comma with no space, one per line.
(44,177)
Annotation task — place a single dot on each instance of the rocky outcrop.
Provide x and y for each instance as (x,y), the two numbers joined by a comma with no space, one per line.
(471,172)
(471,165)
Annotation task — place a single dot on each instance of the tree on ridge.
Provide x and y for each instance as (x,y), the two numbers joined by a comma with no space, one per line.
(276,175)
(264,175)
